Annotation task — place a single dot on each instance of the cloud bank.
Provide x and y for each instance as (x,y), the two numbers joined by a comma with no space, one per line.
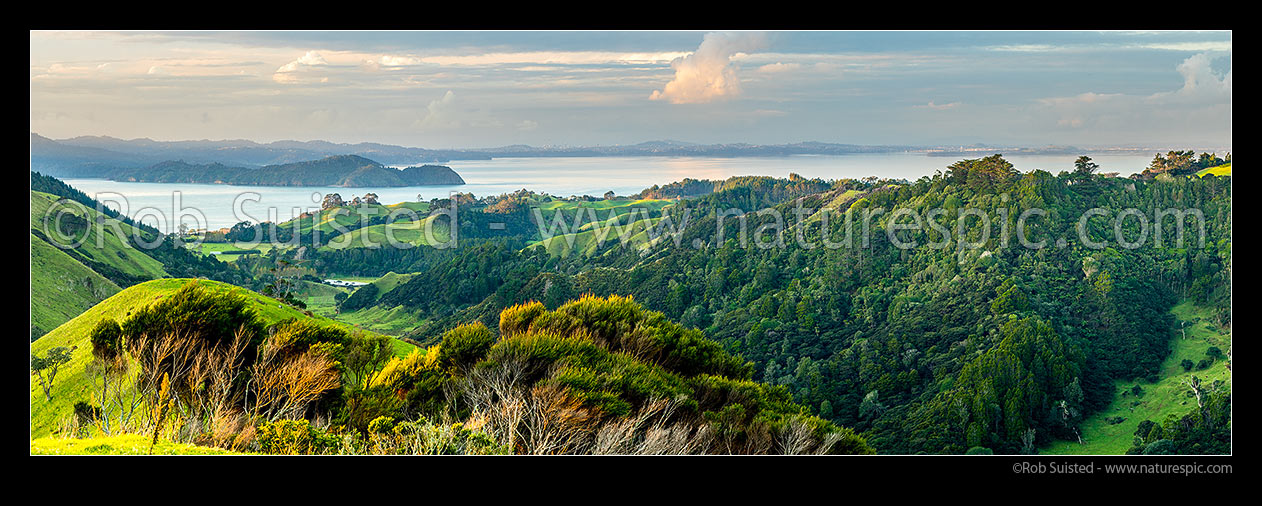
(1203,101)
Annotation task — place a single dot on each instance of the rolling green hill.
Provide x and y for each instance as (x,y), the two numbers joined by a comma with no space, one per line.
(1221,170)
(67,281)
(61,287)
(348,219)
(228,252)
(609,227)
(102,248)
(402,232)
(73,383)
(390,321)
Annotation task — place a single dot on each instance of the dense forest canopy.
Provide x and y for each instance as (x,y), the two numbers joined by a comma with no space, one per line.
(978,309)
(881,338)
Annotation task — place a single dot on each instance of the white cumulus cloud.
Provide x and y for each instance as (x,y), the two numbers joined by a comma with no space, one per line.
(291,72)
(707,74)
(1199,81)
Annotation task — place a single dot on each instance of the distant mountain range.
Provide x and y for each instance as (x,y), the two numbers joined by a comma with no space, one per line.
(100,156)
(62,159)
(337,170)
(88,154)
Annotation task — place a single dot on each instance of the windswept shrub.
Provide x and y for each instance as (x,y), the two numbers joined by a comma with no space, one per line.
(396,373)
(45,368)
(194,311)
(285,384)
(404,387)
(608,361)
(294,437)
(362,354)
(594,376)
(620,324)
(107,340)
(517,319)
(299,335)
(463,346)
(423,437)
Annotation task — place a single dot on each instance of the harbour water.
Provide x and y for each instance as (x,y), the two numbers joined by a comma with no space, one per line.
(215,206)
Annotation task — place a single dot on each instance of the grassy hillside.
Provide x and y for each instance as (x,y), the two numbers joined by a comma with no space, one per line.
(73,383)
(589,241)
(220,249)
(311,289)
(125,444)
(610,220)
(61,287)
(102,249)
(1102,434)
(349,216)
(394,321)
(1221,170)
(390,321)
(622,205)
(409,232)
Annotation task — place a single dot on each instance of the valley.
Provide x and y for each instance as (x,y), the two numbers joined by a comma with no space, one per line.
(877,343)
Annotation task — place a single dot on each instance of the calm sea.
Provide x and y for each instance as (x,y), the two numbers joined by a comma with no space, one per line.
(216,206)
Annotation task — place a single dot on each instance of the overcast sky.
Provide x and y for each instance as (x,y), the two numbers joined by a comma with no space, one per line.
(484,89)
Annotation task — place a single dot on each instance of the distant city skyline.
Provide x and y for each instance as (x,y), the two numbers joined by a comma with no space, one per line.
(443,90)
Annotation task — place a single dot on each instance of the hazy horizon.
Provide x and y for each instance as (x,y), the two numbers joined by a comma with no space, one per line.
(1086,147)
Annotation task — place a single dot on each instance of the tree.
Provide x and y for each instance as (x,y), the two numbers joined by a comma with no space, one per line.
(363,354)
(45,368)
(1161,447)
(107,340)
(331,201)
(1177,163)
(1083,166)
(871,407)
(288,278)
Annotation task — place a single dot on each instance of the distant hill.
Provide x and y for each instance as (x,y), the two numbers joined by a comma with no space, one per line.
(144,152)
(89,156)
(337,170)
(67,160)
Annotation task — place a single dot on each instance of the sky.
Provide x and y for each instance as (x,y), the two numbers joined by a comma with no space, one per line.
(472,89)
